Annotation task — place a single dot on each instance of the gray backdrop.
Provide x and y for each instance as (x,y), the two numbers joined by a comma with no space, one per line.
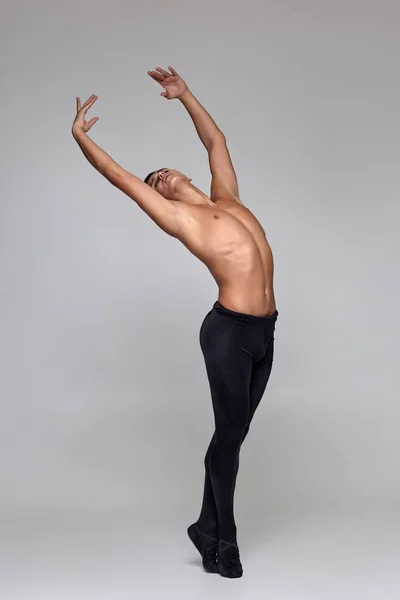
(105,405)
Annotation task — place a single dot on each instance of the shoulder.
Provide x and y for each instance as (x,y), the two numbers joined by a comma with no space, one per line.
(225,198)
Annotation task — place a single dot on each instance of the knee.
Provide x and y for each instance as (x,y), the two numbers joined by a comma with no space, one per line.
(207,457)
(245,432)
(232,437)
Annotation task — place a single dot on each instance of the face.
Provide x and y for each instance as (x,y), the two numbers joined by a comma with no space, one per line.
(168,181)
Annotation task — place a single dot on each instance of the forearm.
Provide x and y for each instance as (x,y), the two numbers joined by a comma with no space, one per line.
(205,126)
(95,155)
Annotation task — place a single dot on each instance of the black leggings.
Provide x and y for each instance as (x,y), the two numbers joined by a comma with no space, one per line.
(238,350)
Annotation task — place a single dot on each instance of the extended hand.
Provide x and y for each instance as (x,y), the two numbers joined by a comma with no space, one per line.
(173,84)
(80,124)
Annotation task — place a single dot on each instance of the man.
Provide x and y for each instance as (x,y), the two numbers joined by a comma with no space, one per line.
(237,335)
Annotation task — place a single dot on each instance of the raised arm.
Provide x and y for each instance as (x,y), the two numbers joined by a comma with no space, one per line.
(164,213)
(224,182)
(175,87)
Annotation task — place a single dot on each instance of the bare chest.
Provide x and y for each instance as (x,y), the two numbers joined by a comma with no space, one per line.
(219,234)
(232,244)
(209,229)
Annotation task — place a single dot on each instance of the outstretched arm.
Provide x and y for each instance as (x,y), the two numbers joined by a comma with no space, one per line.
(161,211)
(224,183)
(95,155)
(175,87)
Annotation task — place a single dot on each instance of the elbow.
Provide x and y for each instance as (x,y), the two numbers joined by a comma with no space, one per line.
(215,138)
(113,172)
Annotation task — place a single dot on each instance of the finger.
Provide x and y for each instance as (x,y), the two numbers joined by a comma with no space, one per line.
(92,122)
(172,71)
(89,100)
(78,104)
(164,72)
(88,104)
(156,76)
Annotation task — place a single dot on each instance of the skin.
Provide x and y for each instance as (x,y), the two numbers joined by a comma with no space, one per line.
(176,186)
(220,231)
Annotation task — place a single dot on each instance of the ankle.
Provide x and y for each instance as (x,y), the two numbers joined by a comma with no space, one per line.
(208,527)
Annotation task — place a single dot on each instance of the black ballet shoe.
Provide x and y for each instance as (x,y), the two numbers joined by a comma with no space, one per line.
(228,560)
(206,545)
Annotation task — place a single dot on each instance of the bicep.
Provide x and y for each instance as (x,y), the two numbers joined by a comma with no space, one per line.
(222,170)
(158,208)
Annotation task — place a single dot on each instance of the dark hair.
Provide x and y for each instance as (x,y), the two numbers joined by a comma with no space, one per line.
(148,177)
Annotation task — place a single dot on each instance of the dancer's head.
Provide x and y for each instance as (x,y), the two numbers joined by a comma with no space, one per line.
(170,183)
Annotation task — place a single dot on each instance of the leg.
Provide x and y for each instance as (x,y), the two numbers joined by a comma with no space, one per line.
(259,379)
(204,531)
(231,400)
(229,373)
(208,520)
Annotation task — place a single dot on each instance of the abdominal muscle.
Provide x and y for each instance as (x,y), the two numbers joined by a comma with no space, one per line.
(245,291)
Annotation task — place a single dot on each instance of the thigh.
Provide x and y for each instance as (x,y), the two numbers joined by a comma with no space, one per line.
(259,378)
(229,372)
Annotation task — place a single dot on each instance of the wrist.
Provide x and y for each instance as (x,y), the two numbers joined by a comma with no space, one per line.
(77,132)
(184,94)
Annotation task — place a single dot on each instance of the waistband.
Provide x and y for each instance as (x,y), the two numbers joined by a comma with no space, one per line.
(245,316)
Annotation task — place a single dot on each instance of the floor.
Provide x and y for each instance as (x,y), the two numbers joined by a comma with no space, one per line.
(321,555)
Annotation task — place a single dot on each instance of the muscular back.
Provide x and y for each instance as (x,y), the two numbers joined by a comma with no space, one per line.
(232,244)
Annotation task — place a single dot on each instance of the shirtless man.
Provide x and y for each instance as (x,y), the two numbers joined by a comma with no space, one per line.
(237,335)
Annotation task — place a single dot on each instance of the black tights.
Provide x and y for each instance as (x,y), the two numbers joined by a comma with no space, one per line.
(238,351)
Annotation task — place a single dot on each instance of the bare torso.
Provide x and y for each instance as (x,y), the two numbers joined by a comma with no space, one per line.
(230,241)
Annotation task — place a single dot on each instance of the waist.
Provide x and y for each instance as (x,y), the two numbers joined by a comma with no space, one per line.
(245,317)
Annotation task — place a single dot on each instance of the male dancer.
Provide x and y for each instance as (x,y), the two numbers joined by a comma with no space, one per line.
(237,335)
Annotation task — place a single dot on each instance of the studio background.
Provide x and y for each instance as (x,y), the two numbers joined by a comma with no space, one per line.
(105,405)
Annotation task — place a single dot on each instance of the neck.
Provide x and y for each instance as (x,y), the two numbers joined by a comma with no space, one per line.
(192,195)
